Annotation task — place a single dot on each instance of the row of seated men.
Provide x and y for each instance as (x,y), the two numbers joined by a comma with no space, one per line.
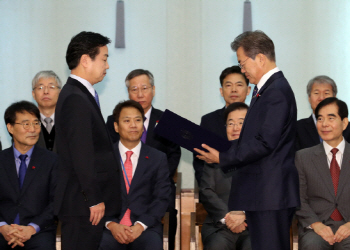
(140,84)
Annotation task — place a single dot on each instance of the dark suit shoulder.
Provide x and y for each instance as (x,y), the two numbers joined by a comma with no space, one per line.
(214,115)
(156,112)
(152,150)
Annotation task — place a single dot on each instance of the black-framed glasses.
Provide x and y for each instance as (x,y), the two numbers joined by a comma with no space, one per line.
(26,125)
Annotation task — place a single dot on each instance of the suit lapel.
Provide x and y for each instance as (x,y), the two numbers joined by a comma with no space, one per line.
(312,130)
(152,123)
(117,154)
(33,168)
(345,169)
(10,168)
(142,165)
(320,163)
(87,93)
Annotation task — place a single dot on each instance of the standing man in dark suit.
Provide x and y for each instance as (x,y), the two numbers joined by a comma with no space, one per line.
(88,185)
(46,87)
(234,88)
(217,232)
(146,186)
(267,188)
(318,88)
(324,172)
(140,85)
(27,183)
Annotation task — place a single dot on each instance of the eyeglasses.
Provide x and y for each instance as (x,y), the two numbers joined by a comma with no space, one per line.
(231,124)
(241,65)
(144,89)
(50,87)
(27,125)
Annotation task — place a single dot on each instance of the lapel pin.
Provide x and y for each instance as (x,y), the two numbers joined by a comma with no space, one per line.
(257,95)
(33,167)
(146,157)
(156,123)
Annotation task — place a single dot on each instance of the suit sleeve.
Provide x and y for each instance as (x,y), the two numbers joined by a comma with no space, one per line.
(305,214)
(173,155)
(161,195)
(46,218)
(213,204)
(78,125)
(274,114)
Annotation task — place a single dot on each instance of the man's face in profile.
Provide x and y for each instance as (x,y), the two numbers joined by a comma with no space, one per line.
(97,68)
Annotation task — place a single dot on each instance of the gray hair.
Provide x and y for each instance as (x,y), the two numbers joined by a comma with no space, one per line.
(46,74)
(321,80)
(139,72)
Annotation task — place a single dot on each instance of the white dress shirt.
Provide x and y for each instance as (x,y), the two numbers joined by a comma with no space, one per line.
(265,77)
(42,117)
(85,83)
(148,116)
(338,155)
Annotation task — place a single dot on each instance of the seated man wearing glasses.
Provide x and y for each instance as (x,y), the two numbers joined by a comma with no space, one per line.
(218,231)
(140,85)
(46,87)
(27,183)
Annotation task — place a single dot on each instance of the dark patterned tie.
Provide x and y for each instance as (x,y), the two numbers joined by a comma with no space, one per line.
(335,172)
(21,174)
(255,91)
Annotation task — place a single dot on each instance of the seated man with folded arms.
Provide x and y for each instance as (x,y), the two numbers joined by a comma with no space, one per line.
(27,184)
(217,231)
(324,176)
(145,186)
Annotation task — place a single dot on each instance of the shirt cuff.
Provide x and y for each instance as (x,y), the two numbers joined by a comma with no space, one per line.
(107,222)
(36,227)
(223,221)
(143,225)
(3,223)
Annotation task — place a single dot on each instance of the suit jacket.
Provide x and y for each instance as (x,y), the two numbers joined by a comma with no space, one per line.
(41,141)
(265,151)
(172,150)
(88,169)
(318,200)
(214,122)
(34,202)
(214,193)
(307,135)
(149,192)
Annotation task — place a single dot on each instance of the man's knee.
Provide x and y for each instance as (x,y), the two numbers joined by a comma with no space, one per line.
(312,241)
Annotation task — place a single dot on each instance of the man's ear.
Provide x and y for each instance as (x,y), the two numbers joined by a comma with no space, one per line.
(116,127)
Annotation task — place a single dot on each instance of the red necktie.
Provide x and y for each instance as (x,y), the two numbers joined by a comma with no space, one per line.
(335,172)
(128,169)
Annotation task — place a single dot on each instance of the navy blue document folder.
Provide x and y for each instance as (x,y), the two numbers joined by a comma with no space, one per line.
(188,134)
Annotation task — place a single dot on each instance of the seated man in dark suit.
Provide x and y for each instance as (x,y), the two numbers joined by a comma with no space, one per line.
(46,87)
(140,85)
(234,88)
(27,183)
(318,88)
(217,232)
(145,186)
(324,172)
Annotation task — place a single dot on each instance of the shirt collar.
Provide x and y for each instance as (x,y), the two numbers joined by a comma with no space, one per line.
(85,83)
(148,113)
(136,150)
(265,77)
(340,147)
(52,117)
(314,118)
(17,153)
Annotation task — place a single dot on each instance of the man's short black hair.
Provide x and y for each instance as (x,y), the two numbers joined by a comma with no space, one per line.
(127,104)
(342,107)
(20,107)
(232,70)
(85,43)
(233,107)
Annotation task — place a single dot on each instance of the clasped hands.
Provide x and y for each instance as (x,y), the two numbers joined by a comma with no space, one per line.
(124,234)
(235,221)
(16,235)
(327,234)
